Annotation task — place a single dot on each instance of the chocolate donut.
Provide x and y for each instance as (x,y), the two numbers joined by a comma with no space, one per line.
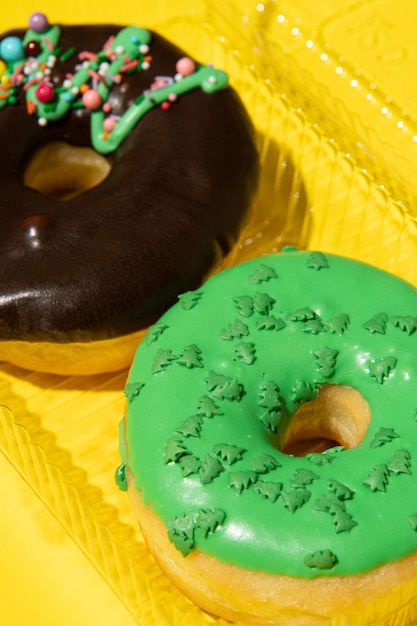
(85,267)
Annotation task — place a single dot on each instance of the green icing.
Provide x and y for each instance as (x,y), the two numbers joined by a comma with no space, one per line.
(128,51)
(207,438)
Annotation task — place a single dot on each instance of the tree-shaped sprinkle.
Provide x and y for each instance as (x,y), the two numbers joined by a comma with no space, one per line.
(326,361)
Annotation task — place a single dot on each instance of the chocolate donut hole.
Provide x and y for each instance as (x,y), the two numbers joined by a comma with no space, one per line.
(339,416)
(61,171)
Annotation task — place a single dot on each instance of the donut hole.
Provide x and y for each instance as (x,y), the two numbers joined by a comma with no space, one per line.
(339,416)
(61,171)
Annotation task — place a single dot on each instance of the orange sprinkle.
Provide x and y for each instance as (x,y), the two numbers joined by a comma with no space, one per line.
(84,88)
(30,107)
(105,135)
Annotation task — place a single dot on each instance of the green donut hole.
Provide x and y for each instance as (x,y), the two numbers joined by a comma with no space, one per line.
(61,171)
(339,416)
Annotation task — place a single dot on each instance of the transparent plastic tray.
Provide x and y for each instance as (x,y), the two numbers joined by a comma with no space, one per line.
(70,547)
(348,67)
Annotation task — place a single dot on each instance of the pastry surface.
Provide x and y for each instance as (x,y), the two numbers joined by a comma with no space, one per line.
(271,424)
(106,261)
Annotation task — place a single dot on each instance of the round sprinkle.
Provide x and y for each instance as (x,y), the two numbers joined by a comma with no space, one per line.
(107,107)
(45,93)
(11,49)
(92,100)
(38,22)
(145,65)
(185,66)
(51,60)
(103,68)
(33,48)
(165,106)
(119,49)
(144,48)
(212,80)
(172,97)
(42,121)
(108,124)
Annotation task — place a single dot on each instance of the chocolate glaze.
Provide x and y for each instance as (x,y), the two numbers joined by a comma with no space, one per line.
(110,261)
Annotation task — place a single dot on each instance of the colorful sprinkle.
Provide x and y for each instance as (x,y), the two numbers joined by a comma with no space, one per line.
(92,100)
(38,22)
(185,66)
(45,93)
(11,49)
(109,124)
(32,48)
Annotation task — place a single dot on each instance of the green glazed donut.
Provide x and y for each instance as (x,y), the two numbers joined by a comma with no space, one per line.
(271,421)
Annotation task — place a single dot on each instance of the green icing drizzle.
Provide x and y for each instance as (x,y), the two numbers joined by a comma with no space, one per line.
(96,73)
(215,436)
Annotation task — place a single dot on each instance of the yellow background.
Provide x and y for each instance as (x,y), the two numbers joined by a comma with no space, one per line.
(338,175)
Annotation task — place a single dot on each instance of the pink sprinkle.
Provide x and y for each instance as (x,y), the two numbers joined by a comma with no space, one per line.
(48,43)
(16,73)
(97,76)
(109,41)
(87,56)
(31,82)
(185,66)
(92,100)
(109,124)
(129,66)
(172,97)
(107,107)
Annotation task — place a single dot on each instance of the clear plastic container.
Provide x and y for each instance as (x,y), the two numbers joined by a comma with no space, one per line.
(337,175)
